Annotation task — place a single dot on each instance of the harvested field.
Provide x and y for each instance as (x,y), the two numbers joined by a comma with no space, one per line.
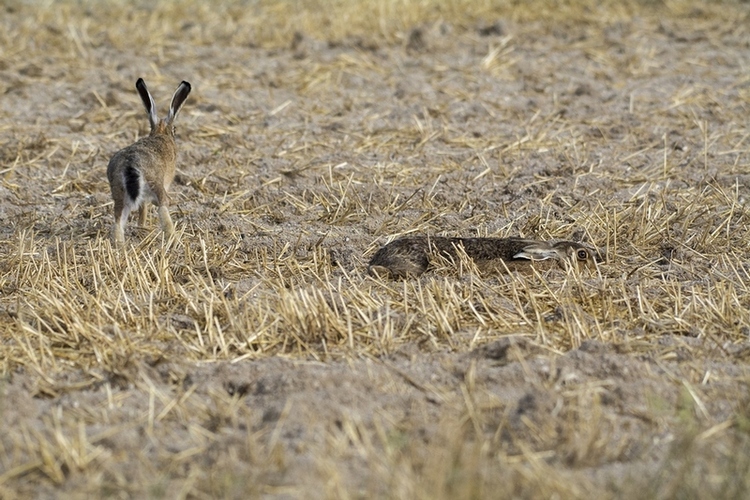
(253,356)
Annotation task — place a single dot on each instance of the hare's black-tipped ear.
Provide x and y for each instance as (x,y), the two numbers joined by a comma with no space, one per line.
(178,99)
(533,252)
(148,101)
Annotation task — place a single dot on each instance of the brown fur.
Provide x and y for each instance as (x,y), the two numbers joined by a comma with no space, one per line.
(146,167)
(411,256)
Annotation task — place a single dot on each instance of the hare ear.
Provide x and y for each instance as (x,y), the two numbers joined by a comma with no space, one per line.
(178,99)
(148,102)
(536,253)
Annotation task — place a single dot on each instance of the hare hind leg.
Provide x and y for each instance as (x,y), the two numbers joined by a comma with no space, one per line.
(166,221)
(162,201)
(122,211)
(142,213)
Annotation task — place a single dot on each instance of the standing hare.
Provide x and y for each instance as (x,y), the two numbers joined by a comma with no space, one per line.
(143,172)
(410,256)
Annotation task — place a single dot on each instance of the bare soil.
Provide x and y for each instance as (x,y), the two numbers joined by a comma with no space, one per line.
(256,357)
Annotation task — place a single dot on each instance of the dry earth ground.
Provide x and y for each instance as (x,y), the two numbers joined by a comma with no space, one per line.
(255,357)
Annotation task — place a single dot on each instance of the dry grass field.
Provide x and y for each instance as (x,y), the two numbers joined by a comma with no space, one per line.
(253,356)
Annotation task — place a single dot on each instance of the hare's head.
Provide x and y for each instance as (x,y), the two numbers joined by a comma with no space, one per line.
(573,252)
(579,253)
(165,126)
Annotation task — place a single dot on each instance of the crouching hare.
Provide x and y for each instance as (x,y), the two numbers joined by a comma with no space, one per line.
(411,255)
(142,172)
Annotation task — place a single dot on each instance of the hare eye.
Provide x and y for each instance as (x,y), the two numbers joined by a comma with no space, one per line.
(582,254)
